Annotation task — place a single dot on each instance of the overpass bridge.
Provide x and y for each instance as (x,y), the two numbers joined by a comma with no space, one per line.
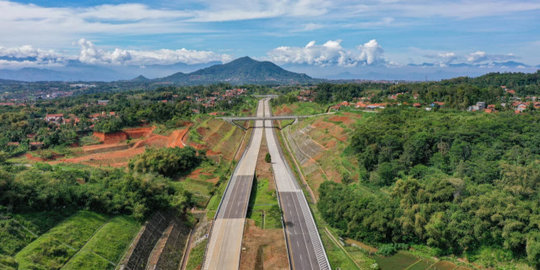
(233,119)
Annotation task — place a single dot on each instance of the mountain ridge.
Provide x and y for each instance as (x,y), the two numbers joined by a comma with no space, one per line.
(243,70)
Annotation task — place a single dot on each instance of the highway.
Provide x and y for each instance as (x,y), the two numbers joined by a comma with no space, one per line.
(303,241)
(225,239)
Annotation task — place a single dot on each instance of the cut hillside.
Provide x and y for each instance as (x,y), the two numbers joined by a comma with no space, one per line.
(118,148)
(85,240)
(221,141)
(320,146)
(219,138)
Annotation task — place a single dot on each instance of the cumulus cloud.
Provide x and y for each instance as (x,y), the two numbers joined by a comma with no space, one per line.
(481,56)
(28,56)
(90,54)
(330,53)
(443,58)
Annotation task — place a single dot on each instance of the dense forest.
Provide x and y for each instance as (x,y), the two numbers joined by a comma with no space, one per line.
(458,93)
(110,191)
(462,183)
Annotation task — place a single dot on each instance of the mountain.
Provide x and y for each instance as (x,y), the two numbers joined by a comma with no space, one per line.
(74,70)
(240,71)
(140,78)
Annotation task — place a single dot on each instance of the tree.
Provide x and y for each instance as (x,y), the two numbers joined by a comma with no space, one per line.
(533,249)
(166,161)
(267,158)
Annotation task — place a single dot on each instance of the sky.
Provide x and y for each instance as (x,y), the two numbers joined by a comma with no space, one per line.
(315,36)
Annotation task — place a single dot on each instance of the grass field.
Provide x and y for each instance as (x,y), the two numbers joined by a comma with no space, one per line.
(299,108)
(214,201)
(24,228)
(107,246)
(264,200)
(54,248)
(196,256)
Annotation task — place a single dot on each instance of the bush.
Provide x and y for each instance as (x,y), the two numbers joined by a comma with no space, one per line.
(391,249)
(387,250)
(166,161)
(268,158)
(3,156)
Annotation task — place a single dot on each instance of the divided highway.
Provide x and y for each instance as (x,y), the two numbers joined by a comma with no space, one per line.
(225,243)
(304,244)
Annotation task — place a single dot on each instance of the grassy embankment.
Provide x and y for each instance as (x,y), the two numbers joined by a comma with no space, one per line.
(196,256)
(106,247)
(85,240)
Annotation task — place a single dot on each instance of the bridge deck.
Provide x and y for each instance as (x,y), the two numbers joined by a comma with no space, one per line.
(250,118)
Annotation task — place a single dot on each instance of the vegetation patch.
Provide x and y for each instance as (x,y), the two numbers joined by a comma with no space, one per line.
(196,256)
(452,181)
(167,161)
(54,248)
(263,207)
(107,246)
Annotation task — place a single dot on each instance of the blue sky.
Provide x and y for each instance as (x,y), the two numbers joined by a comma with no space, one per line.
(323,34)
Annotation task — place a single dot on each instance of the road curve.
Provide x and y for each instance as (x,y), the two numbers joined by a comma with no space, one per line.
(225,240)
(304,244)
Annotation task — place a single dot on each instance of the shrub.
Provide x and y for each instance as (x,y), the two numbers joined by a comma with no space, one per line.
(166,161)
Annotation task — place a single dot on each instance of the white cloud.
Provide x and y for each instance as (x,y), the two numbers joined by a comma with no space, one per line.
(28,56)
(330,53)
(443,58)
(309,27)
(481,56)
(235,10)
(437,8)
(92,55)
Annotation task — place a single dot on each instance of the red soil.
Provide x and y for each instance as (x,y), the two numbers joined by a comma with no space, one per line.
(201,131)
(113,159)
(117,137)
(134,133)
(120,157)
(330,144)
(283,110)
(38,159)
(343,119)
(212,153)
(31,157)
(111,138)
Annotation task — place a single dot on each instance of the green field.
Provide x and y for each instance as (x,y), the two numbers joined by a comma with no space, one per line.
(302,108)
(107,246)
(263,201)
(196,255)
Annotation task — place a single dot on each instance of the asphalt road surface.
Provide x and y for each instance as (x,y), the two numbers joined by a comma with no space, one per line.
(225,243)
(303,241)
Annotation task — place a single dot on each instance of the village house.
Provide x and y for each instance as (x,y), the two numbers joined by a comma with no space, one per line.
(96,116)
(478,107)
(57,118)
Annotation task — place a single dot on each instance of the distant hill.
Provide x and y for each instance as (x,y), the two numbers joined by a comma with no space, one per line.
(240,71)
(140,78)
